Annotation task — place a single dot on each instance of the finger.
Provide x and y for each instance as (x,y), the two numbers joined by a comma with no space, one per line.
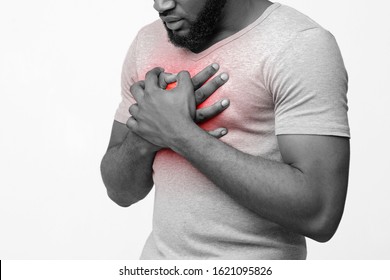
(137,90)
(152,78)
(165,79)
(199,79)
(206,113)
(218,133)
(132,124)
(210,87)
(184,80)
(133,110)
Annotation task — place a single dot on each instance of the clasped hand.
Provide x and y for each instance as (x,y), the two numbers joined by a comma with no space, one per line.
(161,115)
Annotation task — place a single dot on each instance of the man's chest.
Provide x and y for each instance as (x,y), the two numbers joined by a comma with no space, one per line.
(251,105)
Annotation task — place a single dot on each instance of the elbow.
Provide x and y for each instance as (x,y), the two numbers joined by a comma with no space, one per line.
(323,227)
(120,200)
(122,204)
(322,220)
(321,236)
(324,216)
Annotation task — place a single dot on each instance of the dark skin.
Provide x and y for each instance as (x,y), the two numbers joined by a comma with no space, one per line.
(305,193)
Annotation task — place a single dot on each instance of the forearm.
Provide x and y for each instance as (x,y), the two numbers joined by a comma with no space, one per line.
(274,190)
(127,170)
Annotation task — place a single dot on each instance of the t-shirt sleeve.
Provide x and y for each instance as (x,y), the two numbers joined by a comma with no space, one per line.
(128,77)
(309,84)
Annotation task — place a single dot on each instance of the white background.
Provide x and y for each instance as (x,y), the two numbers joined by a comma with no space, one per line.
(60,64)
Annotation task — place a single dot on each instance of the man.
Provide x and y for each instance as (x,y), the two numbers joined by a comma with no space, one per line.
(268,166)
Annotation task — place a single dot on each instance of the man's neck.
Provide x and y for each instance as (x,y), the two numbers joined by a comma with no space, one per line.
(236,16)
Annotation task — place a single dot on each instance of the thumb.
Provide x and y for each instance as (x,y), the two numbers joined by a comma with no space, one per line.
(166,79)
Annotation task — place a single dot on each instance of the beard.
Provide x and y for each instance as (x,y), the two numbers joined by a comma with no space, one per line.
(201,29)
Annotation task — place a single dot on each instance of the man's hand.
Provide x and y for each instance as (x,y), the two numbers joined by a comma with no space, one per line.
(179,104)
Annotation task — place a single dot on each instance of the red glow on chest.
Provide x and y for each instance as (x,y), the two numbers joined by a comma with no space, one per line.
(171,86)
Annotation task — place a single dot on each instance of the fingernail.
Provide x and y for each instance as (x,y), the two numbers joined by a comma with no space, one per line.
(225,102)
(215,66)
(223,132)
(224,76)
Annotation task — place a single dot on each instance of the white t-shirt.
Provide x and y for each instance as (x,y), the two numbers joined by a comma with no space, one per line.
(286,77)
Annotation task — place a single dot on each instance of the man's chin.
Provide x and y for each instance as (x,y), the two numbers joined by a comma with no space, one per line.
(177,37)
(183,39)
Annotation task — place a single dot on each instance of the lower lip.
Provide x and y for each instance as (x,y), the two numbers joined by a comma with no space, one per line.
(174,25)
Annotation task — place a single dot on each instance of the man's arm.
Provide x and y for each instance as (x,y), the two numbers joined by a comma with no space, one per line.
(126,168)
(305,193)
